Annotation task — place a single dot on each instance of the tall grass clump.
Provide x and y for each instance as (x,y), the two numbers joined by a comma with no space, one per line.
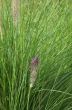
(35,54)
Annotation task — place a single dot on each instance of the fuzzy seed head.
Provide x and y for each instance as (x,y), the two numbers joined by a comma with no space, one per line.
(15,11)
(33,70)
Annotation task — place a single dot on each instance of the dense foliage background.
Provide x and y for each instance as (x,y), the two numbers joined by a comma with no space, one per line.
(44,29)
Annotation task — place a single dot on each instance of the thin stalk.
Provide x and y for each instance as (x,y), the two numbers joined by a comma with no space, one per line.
(28,97)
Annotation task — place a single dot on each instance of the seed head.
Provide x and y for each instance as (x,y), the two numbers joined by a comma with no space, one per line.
(33,70)
(15,11)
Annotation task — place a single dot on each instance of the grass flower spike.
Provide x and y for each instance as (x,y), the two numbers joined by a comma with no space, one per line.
(33,75)
(15,11)
(33,70)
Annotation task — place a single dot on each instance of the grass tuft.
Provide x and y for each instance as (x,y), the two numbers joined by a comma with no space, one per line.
(44,29)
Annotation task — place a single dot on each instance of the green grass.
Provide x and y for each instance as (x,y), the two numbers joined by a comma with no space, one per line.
(44,30)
